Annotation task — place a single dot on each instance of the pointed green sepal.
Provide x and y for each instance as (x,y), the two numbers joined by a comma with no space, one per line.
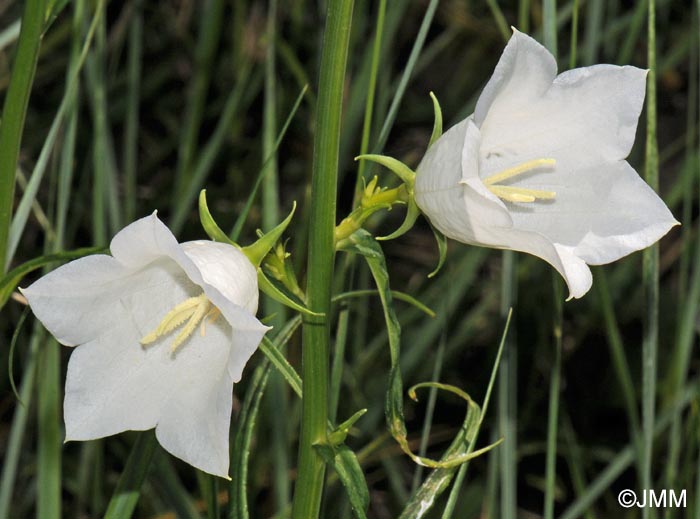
(437,125)
(397,167)
(257,251)
(210,226)
(412,215)
(268,287)
(442,249)
(338,436)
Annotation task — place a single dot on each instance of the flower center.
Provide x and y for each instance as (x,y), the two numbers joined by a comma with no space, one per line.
(193,310)
(519,194)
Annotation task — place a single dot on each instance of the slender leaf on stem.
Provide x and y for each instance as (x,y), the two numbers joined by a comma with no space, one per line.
(283,366)
(361,242)
(399,296)
(345,464)
(245,425)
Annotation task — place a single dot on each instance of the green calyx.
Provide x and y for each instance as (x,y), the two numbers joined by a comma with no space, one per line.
(283,286)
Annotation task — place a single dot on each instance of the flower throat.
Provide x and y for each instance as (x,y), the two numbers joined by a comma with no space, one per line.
(193,310)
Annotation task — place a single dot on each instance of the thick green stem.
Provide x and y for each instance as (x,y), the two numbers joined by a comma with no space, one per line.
(316,332)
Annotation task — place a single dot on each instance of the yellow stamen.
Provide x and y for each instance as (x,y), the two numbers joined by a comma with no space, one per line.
(192,310)
(212,316)
(525,195)
(519,194)
(519,169)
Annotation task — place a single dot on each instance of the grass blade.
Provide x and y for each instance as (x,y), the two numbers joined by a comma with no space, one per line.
(126,495)
(14,111)
(650,273)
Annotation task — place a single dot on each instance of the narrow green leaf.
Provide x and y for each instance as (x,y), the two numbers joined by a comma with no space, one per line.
(22,214)
(128,490)
(14,112)
(275,356)
(400,296)
(245,424)
(338,435)
(345,463)
(363,243)
(18,428)
(277,293)
(650,273)
(49,444)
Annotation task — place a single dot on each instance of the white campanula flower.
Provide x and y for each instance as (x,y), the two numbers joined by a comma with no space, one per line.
(540,166)
(163,330)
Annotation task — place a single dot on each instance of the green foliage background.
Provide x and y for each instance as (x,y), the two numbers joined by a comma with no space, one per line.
(175,96)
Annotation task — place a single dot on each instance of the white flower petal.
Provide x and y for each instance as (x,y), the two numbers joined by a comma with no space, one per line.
(78,300)
(107,305)
(448,189)
(565,136)
(524,72)
(585,117)
(603,213)
(225,267)
(573,269)
(110,373)
(227,277)
(143,241)
(115,384)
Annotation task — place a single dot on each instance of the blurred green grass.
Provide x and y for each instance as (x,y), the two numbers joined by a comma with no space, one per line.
(175,96)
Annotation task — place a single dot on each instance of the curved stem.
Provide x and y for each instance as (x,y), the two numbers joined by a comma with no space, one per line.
(316,332)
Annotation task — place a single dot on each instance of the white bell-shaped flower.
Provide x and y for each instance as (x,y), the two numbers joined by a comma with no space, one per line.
(540,166)
(163,331)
